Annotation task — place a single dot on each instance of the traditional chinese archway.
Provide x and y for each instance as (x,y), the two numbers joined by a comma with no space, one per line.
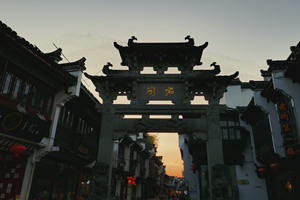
(202,120)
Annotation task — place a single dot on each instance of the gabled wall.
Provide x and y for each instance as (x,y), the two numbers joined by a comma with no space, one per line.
(249,185)
(270,109)
(237,96)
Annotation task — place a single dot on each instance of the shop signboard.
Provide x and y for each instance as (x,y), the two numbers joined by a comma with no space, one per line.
(22,125)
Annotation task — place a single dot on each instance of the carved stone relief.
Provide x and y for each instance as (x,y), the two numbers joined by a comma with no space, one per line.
(99,187)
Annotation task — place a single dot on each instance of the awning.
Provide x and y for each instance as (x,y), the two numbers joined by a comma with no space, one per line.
(7,141)
(68,158)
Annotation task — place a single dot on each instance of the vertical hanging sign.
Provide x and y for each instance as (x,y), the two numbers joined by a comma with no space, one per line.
(286,128)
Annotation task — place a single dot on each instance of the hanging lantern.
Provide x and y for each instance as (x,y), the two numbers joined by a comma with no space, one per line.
(17,149)
(193,167)
(274,166)
(129,180)
(261,170)
(133,181)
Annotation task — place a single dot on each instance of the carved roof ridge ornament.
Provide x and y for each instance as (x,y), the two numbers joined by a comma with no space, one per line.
(109,72)
(206,73)
(190,43)
(79,64)
(54,55)
(216,87)
(160,56)
(110,87)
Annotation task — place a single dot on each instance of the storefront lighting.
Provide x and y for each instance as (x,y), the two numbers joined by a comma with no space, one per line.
(17,149)
(288,185)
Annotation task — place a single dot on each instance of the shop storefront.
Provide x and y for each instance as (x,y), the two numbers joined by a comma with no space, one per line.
(11,174)
(58,181)
(20,134)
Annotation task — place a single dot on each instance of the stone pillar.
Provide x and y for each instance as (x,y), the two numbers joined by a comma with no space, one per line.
(214,141)
(102,172)
(214,134)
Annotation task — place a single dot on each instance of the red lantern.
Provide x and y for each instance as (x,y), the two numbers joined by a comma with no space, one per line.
(133,181)
(193,167)
(17,149)
(274,166)
(261,170)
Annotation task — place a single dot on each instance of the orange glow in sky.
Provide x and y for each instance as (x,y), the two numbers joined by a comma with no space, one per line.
(168,147)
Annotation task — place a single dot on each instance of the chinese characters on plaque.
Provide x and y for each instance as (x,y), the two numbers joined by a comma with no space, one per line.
(286,128)
(152,91)
(169,90)
(162,91)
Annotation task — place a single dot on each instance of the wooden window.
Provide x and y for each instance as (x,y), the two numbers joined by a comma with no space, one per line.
(17,88)
(62,113)
(3,63)
(225,134)
(23,88)
(69,117)
(223,123)
(86,129)
(33,96)
(121,151)
(231,134)
(48,105)
(92,134)
(82,127)
(42,98)
(238,134)
(7,83)
(79,125)
(26,93)
(231,123)
(230,129)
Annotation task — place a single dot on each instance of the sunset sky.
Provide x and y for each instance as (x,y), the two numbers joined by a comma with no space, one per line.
(168,148)
(242,35)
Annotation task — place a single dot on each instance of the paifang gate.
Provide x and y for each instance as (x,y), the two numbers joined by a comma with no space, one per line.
(201,120)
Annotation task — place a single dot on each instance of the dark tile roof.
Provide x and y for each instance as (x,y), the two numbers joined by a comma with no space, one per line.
(167,53)
(47,60)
